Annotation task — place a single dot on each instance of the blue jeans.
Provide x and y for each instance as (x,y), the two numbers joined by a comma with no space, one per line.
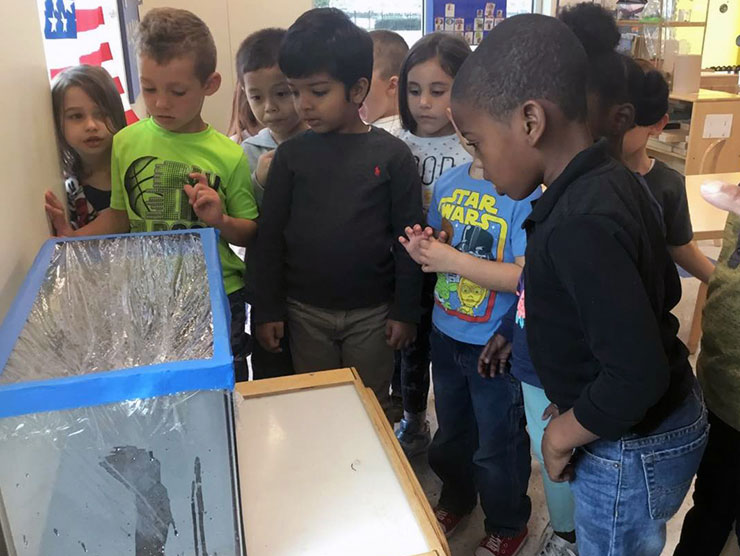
(626,490)
(481,446)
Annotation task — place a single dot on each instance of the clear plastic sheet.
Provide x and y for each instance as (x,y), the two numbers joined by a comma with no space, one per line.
(116,303)
(139,478)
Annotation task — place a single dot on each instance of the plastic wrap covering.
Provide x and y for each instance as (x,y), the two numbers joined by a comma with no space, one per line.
(144,478)
(116,303)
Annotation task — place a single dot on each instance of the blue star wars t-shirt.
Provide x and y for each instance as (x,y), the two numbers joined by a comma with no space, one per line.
(488,226)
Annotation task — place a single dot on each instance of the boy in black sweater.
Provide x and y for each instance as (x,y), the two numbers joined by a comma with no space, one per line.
(600,288)
(337,196)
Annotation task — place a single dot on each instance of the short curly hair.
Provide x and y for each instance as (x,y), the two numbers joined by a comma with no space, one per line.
(168,33)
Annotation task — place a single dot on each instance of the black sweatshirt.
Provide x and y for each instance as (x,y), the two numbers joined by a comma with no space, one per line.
(600,288)
(333,209)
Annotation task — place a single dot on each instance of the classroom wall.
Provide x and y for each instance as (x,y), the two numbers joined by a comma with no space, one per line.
(230,22)
(27,150)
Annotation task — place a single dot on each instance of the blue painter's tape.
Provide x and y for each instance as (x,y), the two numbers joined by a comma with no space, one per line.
(124,384)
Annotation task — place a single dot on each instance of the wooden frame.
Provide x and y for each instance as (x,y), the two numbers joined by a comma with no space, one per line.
(404,473)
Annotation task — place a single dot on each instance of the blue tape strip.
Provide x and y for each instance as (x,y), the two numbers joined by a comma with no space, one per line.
(125,384)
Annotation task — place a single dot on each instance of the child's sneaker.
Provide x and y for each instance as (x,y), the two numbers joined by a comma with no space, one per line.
(414,438)
(553,545)
(494,545)
(448,521)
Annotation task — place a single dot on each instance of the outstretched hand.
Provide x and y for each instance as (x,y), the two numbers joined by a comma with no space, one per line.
(433,254)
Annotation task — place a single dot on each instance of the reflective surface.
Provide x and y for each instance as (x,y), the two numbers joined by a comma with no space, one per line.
(116,303)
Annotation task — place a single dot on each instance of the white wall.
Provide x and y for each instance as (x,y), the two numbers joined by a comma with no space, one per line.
(230,22)
(27,150)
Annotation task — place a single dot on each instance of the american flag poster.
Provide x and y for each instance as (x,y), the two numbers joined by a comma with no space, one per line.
(85,32)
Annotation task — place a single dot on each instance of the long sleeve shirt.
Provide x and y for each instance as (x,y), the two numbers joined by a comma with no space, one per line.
(334,207)
(600,286)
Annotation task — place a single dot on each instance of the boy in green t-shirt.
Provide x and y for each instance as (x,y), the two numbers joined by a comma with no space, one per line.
(173,171)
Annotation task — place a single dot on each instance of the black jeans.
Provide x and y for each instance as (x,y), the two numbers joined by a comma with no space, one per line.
(411,373)
(716,494)
(239,337)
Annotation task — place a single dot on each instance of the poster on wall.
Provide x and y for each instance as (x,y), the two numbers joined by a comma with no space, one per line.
(471,19)
(85,32)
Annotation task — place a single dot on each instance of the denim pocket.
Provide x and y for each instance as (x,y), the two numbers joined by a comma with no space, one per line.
(668,474)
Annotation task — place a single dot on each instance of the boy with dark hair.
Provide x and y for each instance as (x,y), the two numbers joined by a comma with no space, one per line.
(600,287)
(172,170)
(271,101)
(336,198)
(381,104)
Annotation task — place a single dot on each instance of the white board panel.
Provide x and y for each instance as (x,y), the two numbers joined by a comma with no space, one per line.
(316,481)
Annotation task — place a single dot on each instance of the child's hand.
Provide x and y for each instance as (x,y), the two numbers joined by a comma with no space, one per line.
(557,461)
(436,256)
(263,166)
(398,334)
(55,212)
(269,335)
(492,359)
(414,236)
(205,201)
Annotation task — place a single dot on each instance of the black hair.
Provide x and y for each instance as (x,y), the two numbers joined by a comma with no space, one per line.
(614,77)
(259,51)
(325,40)
(450,50)
(525,57)
(389,50)
(650,93)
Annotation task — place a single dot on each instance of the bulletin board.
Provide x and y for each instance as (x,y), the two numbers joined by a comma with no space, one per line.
(471,19)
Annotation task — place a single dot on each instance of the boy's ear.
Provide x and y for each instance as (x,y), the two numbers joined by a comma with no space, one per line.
(359,90)
(212,84)
(392,89)
(533,121)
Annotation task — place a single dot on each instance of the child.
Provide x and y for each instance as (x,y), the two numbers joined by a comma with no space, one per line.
(336,197)
(242,123)
(481,448)
(717,487)
(424,98)
(666,185)
(600,287)
(174,171)
(87,111)
(381,104)
(271,101)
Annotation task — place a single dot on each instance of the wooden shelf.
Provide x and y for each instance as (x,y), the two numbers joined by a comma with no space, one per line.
(704,95)
(664,149)
(637,22)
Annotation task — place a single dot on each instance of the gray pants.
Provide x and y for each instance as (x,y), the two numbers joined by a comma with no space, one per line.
(322,339)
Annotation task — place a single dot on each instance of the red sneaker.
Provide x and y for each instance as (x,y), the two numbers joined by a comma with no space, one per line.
(448,521)
(493,545)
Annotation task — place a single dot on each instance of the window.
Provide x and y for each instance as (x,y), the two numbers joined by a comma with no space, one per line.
(402,16)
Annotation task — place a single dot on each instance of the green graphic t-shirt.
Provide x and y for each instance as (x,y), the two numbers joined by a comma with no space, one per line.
(150,166)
